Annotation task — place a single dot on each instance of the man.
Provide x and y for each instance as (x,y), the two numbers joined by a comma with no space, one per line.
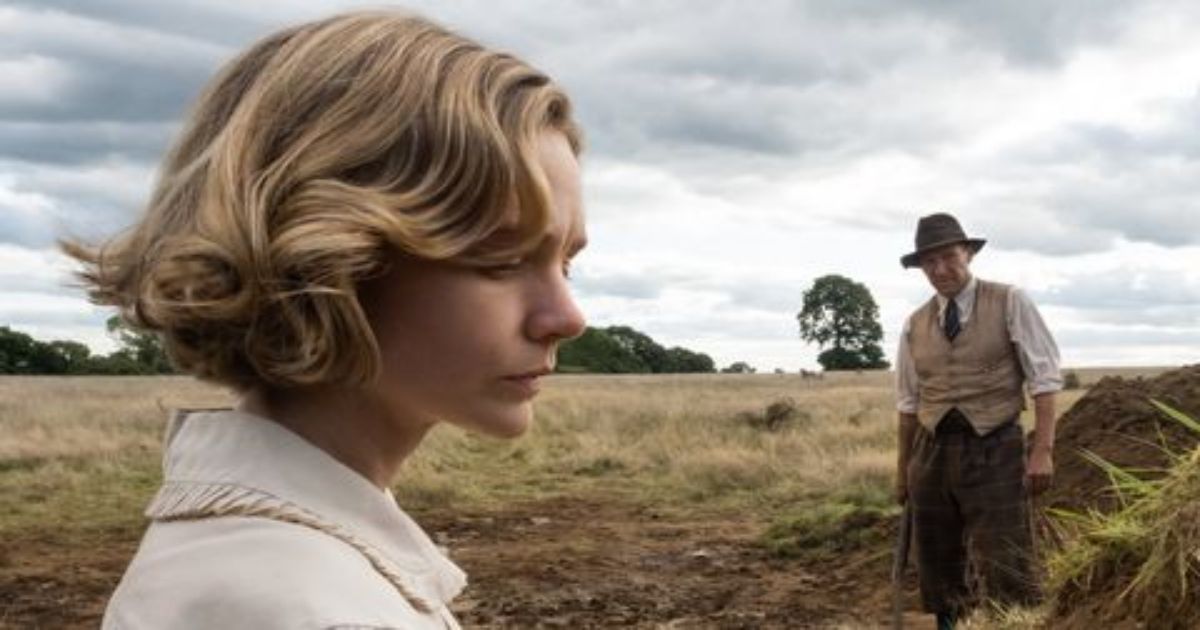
(965,358)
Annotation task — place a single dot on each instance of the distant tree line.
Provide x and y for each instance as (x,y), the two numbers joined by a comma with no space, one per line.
(623,350)
(137,353)
(616,349)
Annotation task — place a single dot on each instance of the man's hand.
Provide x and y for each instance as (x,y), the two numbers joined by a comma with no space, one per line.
(1039,471)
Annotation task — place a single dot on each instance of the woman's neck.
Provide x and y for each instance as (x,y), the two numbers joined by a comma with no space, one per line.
(352,426)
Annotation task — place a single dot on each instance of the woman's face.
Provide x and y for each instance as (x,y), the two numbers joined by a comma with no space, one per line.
(469,346)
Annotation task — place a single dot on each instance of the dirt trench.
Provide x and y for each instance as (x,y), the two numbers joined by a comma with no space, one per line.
(561,563)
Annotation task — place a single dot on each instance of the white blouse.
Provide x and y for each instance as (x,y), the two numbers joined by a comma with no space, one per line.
(255,528)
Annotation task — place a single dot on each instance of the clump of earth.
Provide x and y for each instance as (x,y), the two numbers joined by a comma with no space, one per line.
(1116,421)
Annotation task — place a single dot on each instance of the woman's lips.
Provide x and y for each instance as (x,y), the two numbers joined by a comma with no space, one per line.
(527,384)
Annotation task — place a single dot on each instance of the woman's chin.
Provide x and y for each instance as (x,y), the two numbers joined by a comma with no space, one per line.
(506,426)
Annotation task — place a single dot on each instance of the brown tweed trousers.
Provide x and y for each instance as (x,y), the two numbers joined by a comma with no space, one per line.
(968,492)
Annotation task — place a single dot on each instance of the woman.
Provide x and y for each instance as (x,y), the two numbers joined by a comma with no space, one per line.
(364,229)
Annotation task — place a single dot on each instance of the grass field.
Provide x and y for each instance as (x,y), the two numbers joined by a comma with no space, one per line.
(79,458)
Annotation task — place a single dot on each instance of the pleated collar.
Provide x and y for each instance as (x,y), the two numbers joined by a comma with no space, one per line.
(228,462)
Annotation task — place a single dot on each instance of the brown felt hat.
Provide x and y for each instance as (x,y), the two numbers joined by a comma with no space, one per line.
(937,230)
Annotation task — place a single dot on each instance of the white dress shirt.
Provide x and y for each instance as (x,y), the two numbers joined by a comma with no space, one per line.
(255,528)
(1034,345)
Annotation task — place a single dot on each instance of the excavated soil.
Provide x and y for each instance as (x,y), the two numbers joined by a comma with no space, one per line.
(560,563)
(1116,421)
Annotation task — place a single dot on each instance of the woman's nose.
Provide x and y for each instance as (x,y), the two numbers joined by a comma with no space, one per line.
(556,317)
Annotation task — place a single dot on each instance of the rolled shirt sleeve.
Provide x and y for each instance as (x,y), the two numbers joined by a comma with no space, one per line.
(906,374)
(1035,345)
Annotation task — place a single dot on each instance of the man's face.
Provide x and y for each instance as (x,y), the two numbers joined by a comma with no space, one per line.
(948,268)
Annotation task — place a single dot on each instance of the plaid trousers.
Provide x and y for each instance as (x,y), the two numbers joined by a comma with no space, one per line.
(971,516)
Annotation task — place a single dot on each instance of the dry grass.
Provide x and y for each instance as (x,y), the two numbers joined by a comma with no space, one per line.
(680,439)
(48,417)
(687,442)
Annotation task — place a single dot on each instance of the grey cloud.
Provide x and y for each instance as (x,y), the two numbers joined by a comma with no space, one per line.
(1126,288)
(742,295)
(34,277)
(1067,210)
(229,23)
(80,142)
(117,90)
(1118,336)
(1033,227)
(659,81)
(696,327)
(1023,32)
(107,92)
(47,202)
(20,226)
(662,82)
(113,72)
(38,309)
(762,295)
(1150,315)
(1130,297)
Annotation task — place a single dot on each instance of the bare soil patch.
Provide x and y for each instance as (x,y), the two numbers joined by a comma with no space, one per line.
(557,563)
(49,581)
(582,563)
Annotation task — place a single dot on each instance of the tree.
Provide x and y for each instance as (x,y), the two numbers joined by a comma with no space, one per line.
(17,351)
(597,351)
(738,367)
(652,355)
(840,316)
(684,361)
(141,349)
(621,349)
(75,356)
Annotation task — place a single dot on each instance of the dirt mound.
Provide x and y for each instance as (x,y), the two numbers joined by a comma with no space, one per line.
(1116,421)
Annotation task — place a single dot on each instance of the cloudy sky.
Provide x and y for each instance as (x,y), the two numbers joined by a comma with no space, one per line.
(736,152)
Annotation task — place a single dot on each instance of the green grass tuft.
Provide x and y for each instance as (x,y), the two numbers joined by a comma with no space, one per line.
(826,529)
(1141,561)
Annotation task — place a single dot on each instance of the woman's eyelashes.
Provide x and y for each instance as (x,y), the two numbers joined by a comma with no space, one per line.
(509,268)
(504,268)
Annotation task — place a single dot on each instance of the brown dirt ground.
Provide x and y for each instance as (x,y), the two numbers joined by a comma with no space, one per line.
(1116,421)
(48,581)
(560,563)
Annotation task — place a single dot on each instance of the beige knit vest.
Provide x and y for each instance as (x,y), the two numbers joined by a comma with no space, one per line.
(979,372)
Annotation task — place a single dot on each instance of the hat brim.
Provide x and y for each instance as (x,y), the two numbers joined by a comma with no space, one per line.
(914,259)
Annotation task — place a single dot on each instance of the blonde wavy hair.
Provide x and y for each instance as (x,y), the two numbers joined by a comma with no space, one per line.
(306,163)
